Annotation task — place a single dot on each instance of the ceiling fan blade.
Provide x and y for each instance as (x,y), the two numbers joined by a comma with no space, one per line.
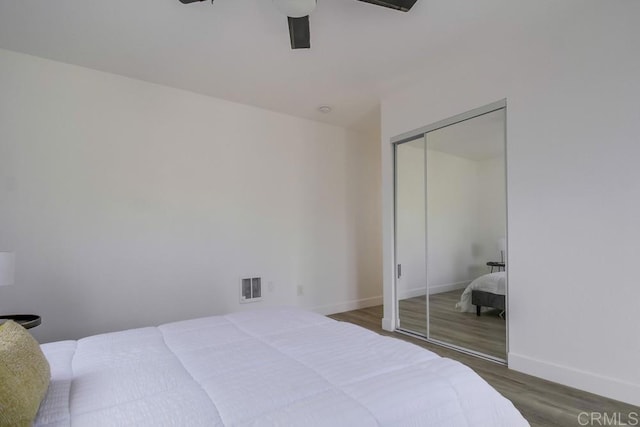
(403,5)
(299,32)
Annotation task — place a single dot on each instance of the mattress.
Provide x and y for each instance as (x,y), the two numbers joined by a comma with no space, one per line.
(492,282)
(284,367)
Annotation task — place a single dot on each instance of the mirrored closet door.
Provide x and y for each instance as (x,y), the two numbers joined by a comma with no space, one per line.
(450,233)
(411,270)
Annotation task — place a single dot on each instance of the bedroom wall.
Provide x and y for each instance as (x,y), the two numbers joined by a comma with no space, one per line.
(453,226)
(131,204)
(466,214)
(492,207)
(573,198)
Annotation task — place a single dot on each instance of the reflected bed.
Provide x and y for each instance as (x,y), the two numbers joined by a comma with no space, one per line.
(487,291)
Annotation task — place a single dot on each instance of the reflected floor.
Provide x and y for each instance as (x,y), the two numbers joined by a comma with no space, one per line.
(486,334)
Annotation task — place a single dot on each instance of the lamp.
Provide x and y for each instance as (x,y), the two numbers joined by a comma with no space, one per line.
(7,268)
(502,246)
(295,8)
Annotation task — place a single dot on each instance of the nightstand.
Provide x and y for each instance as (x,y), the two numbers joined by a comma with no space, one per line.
(496,264)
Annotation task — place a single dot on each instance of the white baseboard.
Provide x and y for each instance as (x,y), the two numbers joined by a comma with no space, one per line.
(411,293)
(587,381)
(448,287)
(387,325)
(348,305)
(418,292)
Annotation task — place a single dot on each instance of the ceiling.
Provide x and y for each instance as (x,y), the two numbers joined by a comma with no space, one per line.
(239,50)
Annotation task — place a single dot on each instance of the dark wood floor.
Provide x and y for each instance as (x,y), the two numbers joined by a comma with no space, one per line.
(486,333)
(541,402)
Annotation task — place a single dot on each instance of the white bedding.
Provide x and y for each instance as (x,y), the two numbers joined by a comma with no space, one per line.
(284,367)
(492,282)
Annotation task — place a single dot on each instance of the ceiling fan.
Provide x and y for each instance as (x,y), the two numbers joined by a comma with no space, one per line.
(297,12)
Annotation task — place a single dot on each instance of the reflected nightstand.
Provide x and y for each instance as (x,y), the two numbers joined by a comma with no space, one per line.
(500,265)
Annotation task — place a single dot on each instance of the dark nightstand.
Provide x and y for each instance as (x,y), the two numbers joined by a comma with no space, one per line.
(496,264)
(27,321)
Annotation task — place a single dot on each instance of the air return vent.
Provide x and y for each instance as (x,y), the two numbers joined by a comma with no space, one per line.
(250,289)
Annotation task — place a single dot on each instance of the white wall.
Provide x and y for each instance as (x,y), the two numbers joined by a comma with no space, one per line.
(572,90)
(131,204)
(466,216)
(452,221)
(492,207)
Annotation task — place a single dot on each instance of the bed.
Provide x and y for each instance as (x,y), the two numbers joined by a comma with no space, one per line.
(486,291)
(284,367)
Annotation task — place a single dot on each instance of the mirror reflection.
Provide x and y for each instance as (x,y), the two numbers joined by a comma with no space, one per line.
(456,296)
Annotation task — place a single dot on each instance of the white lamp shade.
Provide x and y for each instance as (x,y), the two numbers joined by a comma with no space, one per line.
(7,268)
(295,8)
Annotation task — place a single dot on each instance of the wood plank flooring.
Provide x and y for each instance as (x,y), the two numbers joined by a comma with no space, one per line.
(486,333)
(541,402)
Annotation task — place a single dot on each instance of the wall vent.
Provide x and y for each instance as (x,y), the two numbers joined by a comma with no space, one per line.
(250,289)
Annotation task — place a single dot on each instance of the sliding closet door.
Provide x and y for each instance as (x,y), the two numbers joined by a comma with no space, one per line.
(450,232)
(466,231)
(411,284)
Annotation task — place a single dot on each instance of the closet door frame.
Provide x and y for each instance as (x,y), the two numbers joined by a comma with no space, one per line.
(422,133)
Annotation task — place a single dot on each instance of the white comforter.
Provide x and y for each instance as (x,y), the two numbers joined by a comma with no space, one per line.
(493,282)
(284,367)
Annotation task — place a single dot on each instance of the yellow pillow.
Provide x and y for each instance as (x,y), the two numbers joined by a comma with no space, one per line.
(24,376)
